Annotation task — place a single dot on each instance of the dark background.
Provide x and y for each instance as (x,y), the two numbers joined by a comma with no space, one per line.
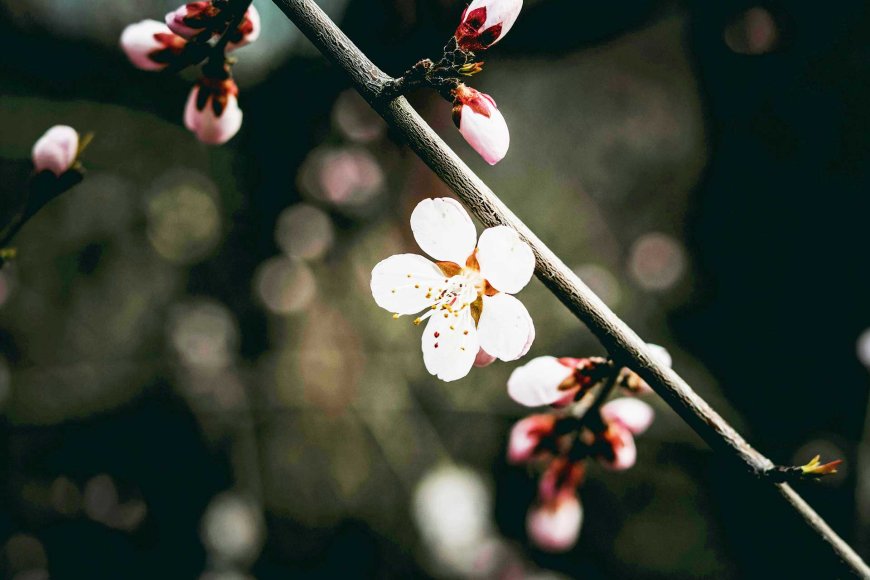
(195,381)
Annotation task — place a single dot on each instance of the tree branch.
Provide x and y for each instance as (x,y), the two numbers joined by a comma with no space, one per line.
(626,348)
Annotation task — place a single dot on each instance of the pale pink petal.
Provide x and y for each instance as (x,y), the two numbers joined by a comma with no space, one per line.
(483,359)
(450,344)
(175,22)
(488,135)
(530,339)
(501,13)
(139,41)
(443,229)
(537,382)
(56,150)
(504,12)
(208,127)
(504,327)
(253,21)
(526,435)
(406,283)
(506,261)
(633,414)
(554,527)
(623,447)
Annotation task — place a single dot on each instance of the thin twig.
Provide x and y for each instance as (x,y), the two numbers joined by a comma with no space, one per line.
(623,344)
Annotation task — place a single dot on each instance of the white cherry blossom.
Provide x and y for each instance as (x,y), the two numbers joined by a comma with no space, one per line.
(466,292)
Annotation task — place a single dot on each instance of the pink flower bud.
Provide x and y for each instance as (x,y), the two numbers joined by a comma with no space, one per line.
(621,452)
(562,477)
(56,150)
(212,110)
(526,435)
(541,381)
(485,22)
(633,414)
(481,123)
(483,359)
(151,45)
(248,31)
(191,19)
(555,526)
(195,17)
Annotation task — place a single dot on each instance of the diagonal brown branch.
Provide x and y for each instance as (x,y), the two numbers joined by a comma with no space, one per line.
(624,345)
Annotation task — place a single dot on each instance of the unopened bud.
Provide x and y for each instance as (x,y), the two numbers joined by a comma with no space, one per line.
(555,526)
(56,150)
(485,22)
(526,435)
(151,45)
(212,111)
(480,122)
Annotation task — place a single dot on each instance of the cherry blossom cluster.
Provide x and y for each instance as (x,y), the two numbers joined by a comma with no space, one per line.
(191,34)
(483,23)
(559,444)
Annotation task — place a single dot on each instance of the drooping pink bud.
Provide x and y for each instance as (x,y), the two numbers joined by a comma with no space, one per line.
(151,45)
(485,22)
(212,111)
(542,381)
(555,526)
(481,123)
(247,32)
(633,414)
(526,435)
(621,452)
(56,150)
(562,477)
(191,18)
(195,17)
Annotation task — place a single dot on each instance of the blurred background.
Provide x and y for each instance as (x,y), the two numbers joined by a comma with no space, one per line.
(196,383)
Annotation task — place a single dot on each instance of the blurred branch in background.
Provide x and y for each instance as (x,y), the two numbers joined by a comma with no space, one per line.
(622,343)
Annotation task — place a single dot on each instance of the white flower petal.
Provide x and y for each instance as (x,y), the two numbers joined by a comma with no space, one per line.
(401,283)
(634,414)
(505,327)
(450,344)
(537,382)
(506,261)
(443,230)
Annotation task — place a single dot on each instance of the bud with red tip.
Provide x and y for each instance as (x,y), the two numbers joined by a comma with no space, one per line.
(547,380)
(151,45)
(625,418)
(527,435)
(192,18)
(554,526)
(485,22)
(195,17)
(480,122)
(56,150)
(247,32)
(212,111)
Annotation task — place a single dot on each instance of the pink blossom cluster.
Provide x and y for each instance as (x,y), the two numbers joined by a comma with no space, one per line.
(483,23)
(191,33)
(559,444)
